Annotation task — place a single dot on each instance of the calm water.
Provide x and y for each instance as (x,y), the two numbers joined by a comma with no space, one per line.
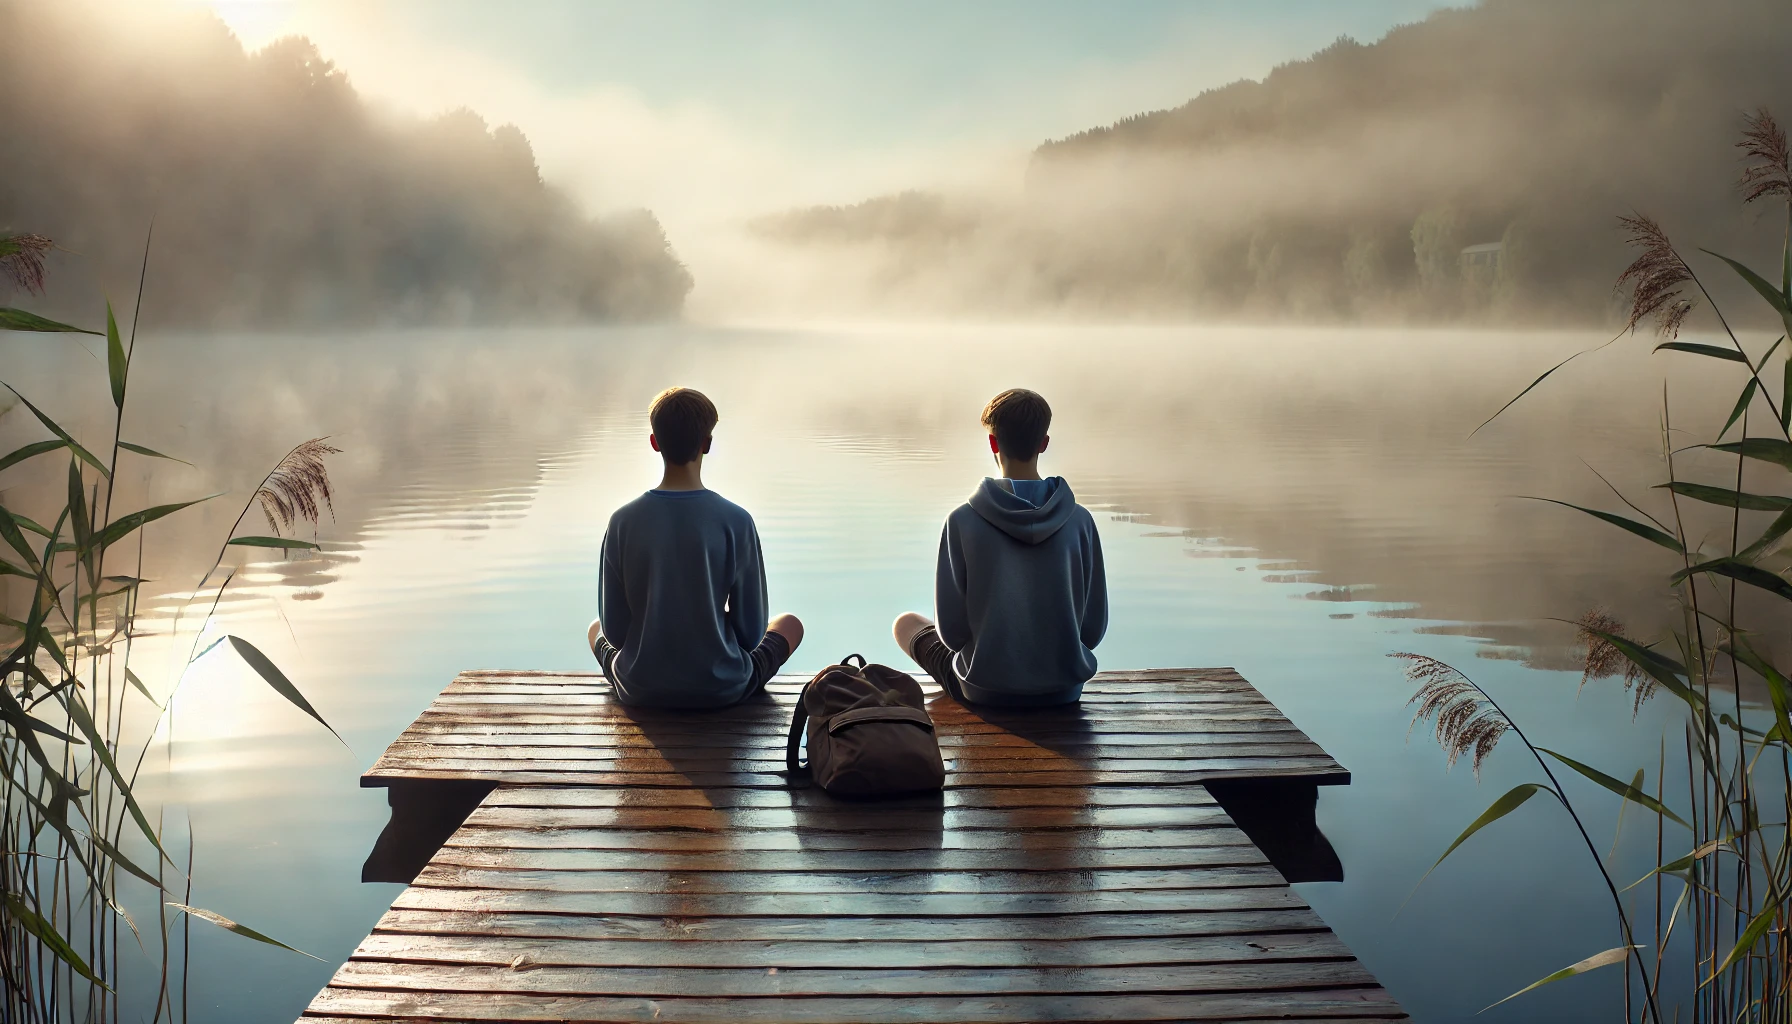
(1295,504)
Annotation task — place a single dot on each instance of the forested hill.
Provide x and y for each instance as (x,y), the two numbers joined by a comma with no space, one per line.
(1348,184)
(279,196)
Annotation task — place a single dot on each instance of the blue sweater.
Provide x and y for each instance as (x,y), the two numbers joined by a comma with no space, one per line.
(683,597)
(1021,594)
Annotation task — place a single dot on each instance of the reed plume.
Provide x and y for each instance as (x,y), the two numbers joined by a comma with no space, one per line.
(1466,721)
(1603,660)
(22,260)
(1769,172)
(298,490)
(1655,277)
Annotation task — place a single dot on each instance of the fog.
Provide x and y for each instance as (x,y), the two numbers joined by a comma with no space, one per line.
(279,196)
(1345,186)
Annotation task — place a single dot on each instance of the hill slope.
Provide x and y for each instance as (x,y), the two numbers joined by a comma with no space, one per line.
(1349,183)
(279,196)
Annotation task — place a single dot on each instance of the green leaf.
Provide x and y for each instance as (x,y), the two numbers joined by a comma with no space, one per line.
(1544,376)
(116,366)
(1750,935)
(78,714)
(1711,351)
(116,856)
(1779,689)
(32,450)
(1786,395)
(152,453)
(1680,864)
(85,455)
(29,920)
(1742,572)
(36,726)
(1775,298)
(35,527)
(1767,449)
(272,542)
(1781,525)
(19,320)
(138,683)
(1512,801)
(270,672)
(1592,963)
(123,527)
(1748,394)
(1727,497)
(12,533)
(77,510)
(1643,530)
(1625,790)
(241,929)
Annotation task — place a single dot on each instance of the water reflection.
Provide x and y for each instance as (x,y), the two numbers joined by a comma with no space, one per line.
(1234,472)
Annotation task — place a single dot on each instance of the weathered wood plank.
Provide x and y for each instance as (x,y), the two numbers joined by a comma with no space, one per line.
(853,930)
(747,882)
(1360,1004)
(1041,796)
(884,862)
(1318,768)
(871,904)
(785,954)
(1040,842)
(1253,977)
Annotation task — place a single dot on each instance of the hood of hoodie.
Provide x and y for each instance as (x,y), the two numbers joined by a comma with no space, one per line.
(1018,517)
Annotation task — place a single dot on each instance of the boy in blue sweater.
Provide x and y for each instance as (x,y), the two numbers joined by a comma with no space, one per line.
(682,620)
(1020,591)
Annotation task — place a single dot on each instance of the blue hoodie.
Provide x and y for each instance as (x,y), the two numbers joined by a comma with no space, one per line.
(1021,595)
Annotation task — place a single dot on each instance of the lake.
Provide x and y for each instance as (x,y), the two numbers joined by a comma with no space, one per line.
(1295,503)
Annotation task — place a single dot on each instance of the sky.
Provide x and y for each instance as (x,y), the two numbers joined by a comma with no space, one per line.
(711,113)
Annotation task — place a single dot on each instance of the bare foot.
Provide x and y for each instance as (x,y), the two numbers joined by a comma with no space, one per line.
(907,625)
(790,628)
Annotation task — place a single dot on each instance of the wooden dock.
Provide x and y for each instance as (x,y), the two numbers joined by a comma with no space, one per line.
(633,865)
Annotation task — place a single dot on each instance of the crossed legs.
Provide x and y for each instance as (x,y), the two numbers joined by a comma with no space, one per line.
(920,639)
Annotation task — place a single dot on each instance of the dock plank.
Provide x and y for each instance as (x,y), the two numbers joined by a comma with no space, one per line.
(637,865)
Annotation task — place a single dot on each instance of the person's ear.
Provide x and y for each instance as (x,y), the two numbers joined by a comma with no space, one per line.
(1047,439)
(653,440)
(994,448)
(706,443)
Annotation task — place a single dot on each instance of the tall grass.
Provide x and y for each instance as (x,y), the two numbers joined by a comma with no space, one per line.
(1720,920)
(75,838)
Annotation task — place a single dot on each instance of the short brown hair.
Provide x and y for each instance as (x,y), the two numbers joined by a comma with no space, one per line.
(682,420)
(1019,418)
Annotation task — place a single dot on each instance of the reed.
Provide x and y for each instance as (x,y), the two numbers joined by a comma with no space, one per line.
(77,844)
(1721,917)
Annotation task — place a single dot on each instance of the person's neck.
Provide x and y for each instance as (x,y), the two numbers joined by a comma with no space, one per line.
(1014,469)
(683,477)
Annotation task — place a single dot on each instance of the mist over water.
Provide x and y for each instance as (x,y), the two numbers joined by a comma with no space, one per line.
(1296,503)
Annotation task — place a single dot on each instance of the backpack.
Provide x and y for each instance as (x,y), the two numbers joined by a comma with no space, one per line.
(869,734)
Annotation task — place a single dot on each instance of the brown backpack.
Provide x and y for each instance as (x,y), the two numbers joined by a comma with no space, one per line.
(869,733)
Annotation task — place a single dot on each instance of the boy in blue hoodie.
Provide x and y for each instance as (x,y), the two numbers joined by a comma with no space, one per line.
(682,619)
(1020,592)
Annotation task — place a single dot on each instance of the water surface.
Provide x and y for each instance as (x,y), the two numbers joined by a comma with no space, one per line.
(1297,504)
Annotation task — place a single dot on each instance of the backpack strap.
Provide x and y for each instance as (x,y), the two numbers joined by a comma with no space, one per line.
(798,719)
(914,716)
